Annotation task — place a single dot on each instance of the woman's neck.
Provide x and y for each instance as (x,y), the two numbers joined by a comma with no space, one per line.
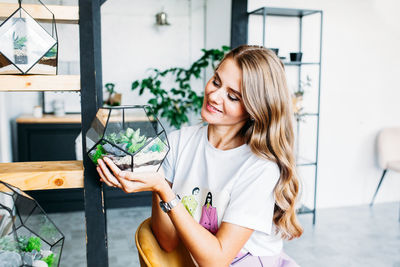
(225,137)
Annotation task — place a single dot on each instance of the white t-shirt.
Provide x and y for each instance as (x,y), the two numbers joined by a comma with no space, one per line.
(216,185)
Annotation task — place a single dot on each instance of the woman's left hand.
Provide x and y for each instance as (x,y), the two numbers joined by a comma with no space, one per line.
(129,182)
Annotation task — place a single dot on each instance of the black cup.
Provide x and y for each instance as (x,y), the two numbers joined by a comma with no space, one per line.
(296,56)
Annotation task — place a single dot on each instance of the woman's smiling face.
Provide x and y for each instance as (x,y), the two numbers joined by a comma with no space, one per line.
(223,103)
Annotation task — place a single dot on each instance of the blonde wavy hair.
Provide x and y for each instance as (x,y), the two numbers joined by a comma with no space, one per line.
(269,130)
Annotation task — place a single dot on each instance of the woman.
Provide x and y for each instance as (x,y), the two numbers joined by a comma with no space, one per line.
(243,157)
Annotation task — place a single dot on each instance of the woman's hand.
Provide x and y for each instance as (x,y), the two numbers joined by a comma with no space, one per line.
(129,182)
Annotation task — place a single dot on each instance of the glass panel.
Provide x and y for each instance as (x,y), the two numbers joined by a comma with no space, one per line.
(120,158)
(25,207)
(6,202)
(23,41)
(56,249)
(95,133)
(151,156)
(47,64)
(6,223)
(39,224)
(6,67)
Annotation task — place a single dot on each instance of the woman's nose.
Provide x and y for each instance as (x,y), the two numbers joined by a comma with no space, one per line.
(216,95)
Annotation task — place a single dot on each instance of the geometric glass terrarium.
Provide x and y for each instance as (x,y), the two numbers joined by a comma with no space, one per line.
(27,47)
(27,236)
(131,136)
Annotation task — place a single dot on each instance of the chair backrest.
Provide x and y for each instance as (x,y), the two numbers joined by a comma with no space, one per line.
(151,254)
(388,146)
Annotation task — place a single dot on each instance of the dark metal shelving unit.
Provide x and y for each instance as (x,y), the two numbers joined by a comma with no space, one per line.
(299,13)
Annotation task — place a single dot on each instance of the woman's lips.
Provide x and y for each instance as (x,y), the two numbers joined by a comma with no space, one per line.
(212,108)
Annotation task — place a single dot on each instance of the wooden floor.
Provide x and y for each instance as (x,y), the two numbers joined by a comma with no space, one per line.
(352,236)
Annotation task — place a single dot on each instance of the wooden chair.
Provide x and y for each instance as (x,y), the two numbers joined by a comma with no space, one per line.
(151,254)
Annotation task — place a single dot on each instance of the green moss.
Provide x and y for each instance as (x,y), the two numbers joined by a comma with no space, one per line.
(49,260)
(34,243)
(98,154)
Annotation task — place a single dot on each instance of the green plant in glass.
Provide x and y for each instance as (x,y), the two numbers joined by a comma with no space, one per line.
(19,42)
(177,102)
(52,52)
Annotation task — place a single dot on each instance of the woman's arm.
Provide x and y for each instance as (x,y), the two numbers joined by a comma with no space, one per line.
(162,226)
(207,249)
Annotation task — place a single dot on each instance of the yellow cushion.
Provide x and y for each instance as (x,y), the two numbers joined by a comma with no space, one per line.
(151,254)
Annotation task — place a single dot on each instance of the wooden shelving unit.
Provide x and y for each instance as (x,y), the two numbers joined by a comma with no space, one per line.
(62,14)
(68,174)
(43,175)
(36,83)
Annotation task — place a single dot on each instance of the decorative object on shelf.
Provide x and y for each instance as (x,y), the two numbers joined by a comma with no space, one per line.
(27,236)
(176,103)
(114,98)
(296,56)
(161,19)
(59,107)
(131,136)
(275,50)
(27,47)
(37,111)
(297,97)
(72,103)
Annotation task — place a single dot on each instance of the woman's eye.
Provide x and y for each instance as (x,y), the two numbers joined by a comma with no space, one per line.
(215,83)
(233,97)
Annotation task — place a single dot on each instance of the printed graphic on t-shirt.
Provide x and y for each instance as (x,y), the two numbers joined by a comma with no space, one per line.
(213,203)
(190,202)
(209,216)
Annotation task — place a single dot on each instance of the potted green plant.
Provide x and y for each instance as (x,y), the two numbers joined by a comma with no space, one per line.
(175,103)
(297,97)
(19,42)
(114,98)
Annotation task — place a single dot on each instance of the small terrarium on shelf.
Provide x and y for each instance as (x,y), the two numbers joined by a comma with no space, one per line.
(27,236)
(131,136)
(28,46)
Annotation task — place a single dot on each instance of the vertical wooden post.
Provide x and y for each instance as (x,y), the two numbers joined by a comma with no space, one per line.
(239,23)
(91,100)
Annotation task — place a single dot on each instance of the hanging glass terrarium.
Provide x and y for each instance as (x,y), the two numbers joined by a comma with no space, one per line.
(27,47)
(131,136)
(27,236)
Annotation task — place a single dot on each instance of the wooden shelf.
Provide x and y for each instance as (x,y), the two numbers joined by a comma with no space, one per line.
(43,175)
(62,14)
(69,118)
(23,83)
(74,118)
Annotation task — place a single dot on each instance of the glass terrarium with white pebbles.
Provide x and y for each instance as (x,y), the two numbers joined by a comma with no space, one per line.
(131,136)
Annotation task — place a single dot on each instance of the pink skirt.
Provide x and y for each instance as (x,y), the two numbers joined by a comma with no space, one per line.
(279,260)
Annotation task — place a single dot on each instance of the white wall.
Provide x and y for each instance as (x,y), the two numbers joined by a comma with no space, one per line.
(131,43)
(359,96)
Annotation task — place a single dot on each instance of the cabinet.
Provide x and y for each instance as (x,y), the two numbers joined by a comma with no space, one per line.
(285,28)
